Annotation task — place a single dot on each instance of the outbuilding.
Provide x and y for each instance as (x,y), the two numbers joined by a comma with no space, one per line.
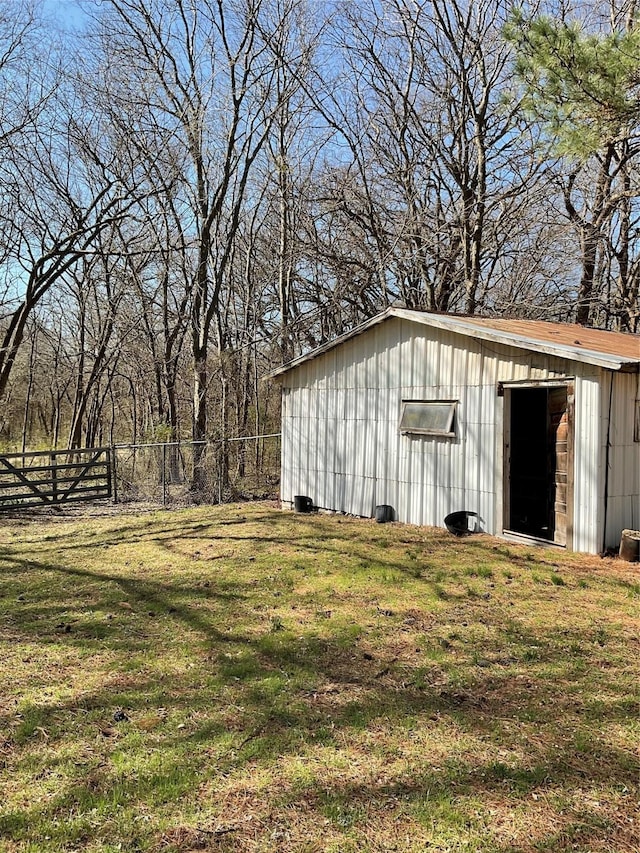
(532,426)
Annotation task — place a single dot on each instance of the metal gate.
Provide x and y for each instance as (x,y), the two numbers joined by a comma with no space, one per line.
(54,477)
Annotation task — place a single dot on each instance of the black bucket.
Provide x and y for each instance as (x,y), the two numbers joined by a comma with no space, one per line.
(384,513)
(458,522)
(301,503)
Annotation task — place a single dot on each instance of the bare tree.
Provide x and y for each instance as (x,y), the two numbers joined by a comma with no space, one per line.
(63,187)
(203,78)
(439,161)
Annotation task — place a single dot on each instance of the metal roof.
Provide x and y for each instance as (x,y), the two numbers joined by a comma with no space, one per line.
(612,350)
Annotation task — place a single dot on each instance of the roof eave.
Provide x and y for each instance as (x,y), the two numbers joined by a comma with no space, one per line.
(451,323)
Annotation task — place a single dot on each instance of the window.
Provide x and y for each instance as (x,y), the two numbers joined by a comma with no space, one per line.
(428,417)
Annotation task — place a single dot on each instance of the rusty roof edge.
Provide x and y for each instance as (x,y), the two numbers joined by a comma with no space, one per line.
(452,323)
(572,353)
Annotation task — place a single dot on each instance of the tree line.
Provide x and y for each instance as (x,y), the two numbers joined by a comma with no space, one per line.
(194,192)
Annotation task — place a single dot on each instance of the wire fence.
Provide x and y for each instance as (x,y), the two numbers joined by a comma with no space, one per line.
(181,473)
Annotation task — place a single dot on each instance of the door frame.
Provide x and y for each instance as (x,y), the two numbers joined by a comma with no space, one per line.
(504,391)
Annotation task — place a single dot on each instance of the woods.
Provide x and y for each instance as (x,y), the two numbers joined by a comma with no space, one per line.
(193,193)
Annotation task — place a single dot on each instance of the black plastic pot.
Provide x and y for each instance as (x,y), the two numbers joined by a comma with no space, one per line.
(301,503)
(458,522)
(384,513)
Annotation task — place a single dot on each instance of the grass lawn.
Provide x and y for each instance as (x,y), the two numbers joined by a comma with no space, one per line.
(238,678)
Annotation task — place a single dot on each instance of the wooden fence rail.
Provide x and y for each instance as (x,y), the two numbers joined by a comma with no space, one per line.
(55,477)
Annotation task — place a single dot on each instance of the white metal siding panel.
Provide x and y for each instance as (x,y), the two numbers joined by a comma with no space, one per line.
(287,456)
(624,456)
(420,368)
(404,367)
(587,479)
(393,345)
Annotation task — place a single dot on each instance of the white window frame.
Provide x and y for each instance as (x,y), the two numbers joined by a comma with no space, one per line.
(448,432)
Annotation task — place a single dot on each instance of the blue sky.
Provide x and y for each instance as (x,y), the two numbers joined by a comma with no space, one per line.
(67,12)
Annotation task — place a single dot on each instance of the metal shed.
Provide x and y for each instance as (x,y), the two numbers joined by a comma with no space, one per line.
(534,426)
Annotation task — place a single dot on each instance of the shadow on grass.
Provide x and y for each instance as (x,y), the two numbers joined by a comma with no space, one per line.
(252,695)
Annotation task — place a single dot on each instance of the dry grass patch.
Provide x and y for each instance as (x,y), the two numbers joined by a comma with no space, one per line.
(242,679)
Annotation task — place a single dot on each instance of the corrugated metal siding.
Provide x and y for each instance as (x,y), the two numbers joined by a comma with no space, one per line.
(342,447)
(623,505)
(587,474)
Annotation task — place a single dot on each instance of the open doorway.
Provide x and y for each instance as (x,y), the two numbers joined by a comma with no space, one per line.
(537,473)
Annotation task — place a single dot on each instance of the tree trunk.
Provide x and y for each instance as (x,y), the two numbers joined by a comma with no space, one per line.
(590,245)
(199,432)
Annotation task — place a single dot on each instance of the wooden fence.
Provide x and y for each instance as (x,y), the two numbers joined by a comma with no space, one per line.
(55,477)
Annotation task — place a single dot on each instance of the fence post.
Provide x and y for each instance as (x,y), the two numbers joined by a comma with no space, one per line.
(54,477)
(114,474)
(164,474)
(107,454)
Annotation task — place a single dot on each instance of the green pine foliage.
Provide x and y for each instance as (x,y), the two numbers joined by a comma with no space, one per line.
(584,87)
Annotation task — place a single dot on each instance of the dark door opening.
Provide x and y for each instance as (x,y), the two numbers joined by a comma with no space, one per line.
(538,462)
